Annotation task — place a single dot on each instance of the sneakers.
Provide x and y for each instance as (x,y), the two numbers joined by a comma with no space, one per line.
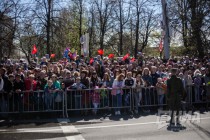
(117,113)
(146,111)
(136,112)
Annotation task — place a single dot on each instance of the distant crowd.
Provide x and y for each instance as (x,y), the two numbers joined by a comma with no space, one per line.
(106,73)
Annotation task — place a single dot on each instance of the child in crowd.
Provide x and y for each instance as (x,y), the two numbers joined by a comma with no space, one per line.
(117,92)
(138,92)
(106,84)
(95,99)
(48,94)
(161,90)
(130,83)
(77,93)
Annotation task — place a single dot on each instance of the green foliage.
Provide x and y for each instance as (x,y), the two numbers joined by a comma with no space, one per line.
(67,33)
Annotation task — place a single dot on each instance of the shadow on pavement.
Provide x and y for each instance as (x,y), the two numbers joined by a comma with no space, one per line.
(50,119)
(34,135)
(177,128)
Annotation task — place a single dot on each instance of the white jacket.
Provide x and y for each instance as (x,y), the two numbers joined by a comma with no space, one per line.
(116,83)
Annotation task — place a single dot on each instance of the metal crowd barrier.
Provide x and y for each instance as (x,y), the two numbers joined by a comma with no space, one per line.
(126,99)
(31,101)
(197,94)
(102,99)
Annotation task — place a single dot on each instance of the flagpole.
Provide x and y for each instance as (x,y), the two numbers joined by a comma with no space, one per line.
(166,30)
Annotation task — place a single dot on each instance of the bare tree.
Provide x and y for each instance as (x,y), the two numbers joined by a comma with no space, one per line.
(191,19)
(104,9)
(122,11)
(80,9)
(148,24)
(9,14)
(43,13)
(138,4)
(91,29)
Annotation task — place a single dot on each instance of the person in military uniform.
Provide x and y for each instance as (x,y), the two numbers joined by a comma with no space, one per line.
(175,92)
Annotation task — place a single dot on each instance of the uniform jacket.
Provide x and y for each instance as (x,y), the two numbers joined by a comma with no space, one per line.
(175,91)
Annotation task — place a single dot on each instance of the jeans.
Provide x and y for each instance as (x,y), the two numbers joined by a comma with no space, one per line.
(117,99)
(138,97)
(78,103)
(160,100)
(146,98)
(197,93)
(95,105)
(189,94)
(48,100)
(104,101)
(3,105)
(18,102)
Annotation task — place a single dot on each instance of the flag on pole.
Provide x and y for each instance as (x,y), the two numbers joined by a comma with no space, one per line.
(34,51)
(111,56)
(126,56)
(91,60)
(133,59)
(161,45)
(66,52)
(100,52)
(74,55)
(84,40)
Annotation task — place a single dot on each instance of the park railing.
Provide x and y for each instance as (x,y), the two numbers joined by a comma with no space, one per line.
(127,99)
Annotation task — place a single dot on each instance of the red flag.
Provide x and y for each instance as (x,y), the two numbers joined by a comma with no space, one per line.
(133,59)
(52,55)
(100,52)
(34,51)
(111,55)
(91,60)
(74,55)
(161,45)
(70,56)
(126,56)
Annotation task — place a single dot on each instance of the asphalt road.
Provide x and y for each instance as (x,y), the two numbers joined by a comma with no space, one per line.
(122,127)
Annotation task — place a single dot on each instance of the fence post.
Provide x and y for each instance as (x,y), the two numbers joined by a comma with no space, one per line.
(66,103)
(63,92)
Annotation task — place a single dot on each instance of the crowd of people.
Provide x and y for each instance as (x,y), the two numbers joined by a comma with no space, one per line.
(119,76)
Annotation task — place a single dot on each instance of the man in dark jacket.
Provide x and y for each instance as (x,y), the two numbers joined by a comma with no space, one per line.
(175,92)
(9,93)
(18,93)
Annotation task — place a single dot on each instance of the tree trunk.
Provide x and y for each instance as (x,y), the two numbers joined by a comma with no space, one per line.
(80,23)
(48,26)
(184,25)
(137,29)
(196,23)
(121,29)
(131,42)
(102,40)
(137,36)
